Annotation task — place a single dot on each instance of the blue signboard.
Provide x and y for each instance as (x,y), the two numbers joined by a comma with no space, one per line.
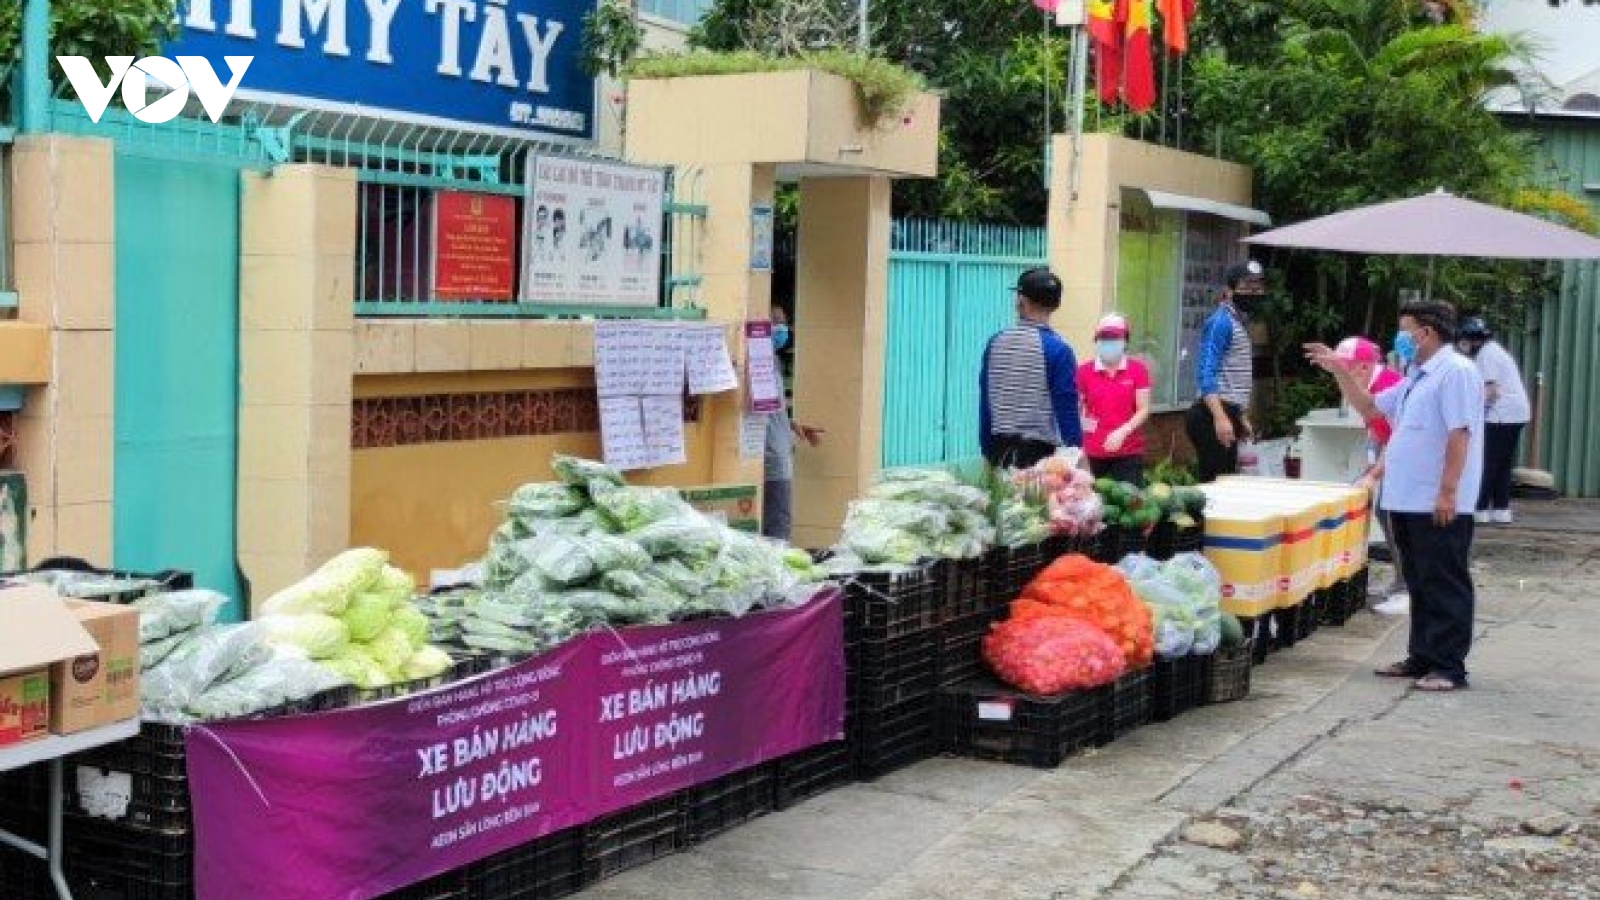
(509,65)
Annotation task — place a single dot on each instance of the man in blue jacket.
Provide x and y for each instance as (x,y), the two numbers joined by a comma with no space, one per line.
(1220,419)
(1028,403)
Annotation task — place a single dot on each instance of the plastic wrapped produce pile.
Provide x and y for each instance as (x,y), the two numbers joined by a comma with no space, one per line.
(913,515)
(1067,491)
(591,552)
(357,617)
(196,669)
(1183,594)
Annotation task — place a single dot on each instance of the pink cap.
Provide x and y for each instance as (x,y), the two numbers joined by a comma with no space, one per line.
(1111,326)
(1359,350)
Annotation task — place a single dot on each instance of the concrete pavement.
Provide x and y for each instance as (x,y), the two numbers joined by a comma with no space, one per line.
(1335,782)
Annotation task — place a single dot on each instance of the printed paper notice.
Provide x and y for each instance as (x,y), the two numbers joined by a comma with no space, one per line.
(710,366)
(620,368)
(662,353)
(663,430)
(753,436)
(761,364)
(622,433)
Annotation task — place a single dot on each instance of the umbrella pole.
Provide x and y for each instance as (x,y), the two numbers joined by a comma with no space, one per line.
(1427,286)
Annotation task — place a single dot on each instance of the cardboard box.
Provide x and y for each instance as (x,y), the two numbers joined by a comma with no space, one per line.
(98,688)
(24,706)
(733,504)
(39,632)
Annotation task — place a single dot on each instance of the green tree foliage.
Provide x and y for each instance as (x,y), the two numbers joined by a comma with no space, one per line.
(93,28)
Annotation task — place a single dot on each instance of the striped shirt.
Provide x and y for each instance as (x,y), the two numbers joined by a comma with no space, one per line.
(1224,367)
(1028,387)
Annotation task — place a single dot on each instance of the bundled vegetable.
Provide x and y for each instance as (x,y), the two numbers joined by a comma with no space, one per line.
(1078,588)
(1052,654)
(912,515)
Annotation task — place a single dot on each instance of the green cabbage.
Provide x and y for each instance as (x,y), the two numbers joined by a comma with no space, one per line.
(358,667)
(329,589)
(391,648)
(410,620)
(367,615)
(427,662)
(397,583)
(318,635)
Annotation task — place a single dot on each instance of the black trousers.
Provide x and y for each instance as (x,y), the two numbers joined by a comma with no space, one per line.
(1008,451)
(1499,459)
(1127,469)
(1213,458)
(1436,563)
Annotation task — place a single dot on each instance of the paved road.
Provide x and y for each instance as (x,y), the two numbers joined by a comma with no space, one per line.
(1336,784)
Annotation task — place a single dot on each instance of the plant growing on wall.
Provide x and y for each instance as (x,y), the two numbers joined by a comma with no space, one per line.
(612,37)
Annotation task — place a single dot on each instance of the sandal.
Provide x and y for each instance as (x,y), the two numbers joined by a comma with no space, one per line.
(1435,683)
(1402,669)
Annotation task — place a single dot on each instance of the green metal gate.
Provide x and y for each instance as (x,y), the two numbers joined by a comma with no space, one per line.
(177,192)
(950,289)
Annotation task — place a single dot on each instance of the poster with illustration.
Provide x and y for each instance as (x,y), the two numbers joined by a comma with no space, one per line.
(592,233)
(13,522)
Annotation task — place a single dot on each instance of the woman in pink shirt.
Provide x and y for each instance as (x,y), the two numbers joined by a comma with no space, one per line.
(1114,396)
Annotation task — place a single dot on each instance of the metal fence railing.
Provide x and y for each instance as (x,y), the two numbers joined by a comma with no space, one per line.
(402,169)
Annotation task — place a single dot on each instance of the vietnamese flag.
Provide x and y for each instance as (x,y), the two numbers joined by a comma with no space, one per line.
(1175,18)
(1139,88)
(1106,35)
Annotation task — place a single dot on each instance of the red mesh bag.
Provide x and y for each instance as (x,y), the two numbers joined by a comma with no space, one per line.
(1052,654)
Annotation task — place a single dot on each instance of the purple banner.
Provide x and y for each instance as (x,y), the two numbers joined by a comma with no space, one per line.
(352,804)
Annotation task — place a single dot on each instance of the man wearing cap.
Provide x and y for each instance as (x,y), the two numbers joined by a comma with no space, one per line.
(1028,398)
(1115,392)
(1223,373)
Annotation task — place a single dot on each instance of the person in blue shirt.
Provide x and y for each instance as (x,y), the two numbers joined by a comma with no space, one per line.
(1028,393)
(1224,374)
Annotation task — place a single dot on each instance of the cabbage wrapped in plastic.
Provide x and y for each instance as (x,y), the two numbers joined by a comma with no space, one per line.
(428,662)
(410,620)
(163,615)
(319,636)
(358,667)
(919,519)
(584,473)
(632,508)
(931,476)
(367,615)
(1138,568)
(876,543)
(548,500)
(940,493)
(329,589)
(281,679)
(682,579)
(1195,575)
(211,655)
(391,648)
(396,582)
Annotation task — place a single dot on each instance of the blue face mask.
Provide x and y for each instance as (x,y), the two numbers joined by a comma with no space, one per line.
(780,337)
(1110,351)
(1405,347)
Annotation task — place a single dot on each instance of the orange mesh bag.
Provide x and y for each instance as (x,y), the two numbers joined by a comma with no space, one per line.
(1051,654)
(1079,588)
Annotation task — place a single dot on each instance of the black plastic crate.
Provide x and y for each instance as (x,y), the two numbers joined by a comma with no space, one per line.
(449,886)
(23,877)
(1177,685)
(119,856)
(882,674)
(961,646)
(888,605)
(1161,543)
(1310,618)
(1284,626)
(161,804)
(962,586)
(1228,673)
(729,801)
(984,719)
(1011,569)
(543,869)
(1124,705)
(96,882)
(633,837)
(803,775)
(896,737)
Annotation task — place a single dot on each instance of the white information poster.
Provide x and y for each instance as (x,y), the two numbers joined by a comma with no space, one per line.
(761,363)
(752,436)
(663,430)
(710,366)
(622,439)
(592,233)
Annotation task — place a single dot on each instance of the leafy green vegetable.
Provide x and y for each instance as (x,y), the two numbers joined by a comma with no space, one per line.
(366,616)
(584,473)
(534,502)
(317,635)
(632,508)
(329,589)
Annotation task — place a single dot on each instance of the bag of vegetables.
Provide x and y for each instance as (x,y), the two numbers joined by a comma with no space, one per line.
(1052,654)
(1076,587)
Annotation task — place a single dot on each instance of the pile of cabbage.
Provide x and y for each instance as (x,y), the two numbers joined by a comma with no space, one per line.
(589,551)
(356,617)
(193,669)
(913,515)
(1184,595)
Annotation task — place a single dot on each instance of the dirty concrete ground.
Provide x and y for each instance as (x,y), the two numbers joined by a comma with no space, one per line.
(1326,783)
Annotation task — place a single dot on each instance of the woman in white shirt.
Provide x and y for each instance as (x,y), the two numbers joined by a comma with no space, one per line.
(1506,412)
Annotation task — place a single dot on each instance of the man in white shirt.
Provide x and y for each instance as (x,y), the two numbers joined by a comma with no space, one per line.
(1507,412)
(1431,471)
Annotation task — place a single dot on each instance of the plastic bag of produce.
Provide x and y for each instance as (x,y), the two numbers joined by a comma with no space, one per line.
(920,519)
(1194,575)
(1172,617)
(612,553)
(584,473)
(1077,587)
(329,589)
(1139,568)
(1052,654)
(536,502)
(944,493)
(560,559)
(428,662)
(367,615)
(279,680)
(163,615)
(686,536)
(877,543)
(632,508)
(931,476)
(152,653)
(207,658)
(317,635)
